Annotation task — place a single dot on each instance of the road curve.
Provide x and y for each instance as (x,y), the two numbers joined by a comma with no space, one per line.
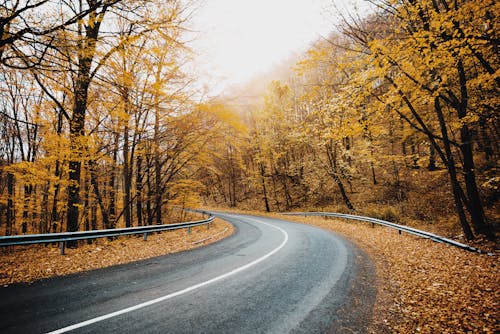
(271,276)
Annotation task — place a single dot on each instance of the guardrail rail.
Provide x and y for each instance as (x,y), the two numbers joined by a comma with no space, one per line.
(62,238)
(400,228)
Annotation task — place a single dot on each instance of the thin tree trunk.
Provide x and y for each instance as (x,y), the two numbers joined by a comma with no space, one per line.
(44,217)
(93,213)
(486,143)
(331,155)
(54,216)
(158,191)
(374,177)
(10,204)
(263,183)
(126,178)
(112,185)
(95,184)
(138,189)
(86,205)
(232,177)
(26,207)
(275,190)
(343,193)
(150,214)
(432,158)
(35,214)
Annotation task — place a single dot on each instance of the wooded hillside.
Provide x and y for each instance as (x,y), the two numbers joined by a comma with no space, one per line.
(393,116)
(396,116)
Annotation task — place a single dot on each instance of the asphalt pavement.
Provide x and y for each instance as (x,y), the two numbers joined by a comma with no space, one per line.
(271,276)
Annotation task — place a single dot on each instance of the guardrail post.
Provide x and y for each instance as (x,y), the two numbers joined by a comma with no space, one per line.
(145,237)
(189,230)
(62,246)
(208,226)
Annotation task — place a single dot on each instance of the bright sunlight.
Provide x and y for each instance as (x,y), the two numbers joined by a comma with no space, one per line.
(240,39)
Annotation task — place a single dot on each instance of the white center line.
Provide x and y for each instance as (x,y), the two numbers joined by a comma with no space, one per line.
(178,293)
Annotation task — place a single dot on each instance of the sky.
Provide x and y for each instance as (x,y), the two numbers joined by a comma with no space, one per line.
(238,39)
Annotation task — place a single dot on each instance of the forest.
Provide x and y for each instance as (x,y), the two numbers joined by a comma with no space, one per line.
(103,125)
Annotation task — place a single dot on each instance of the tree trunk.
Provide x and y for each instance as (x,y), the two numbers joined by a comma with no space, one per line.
(432,158)
(138,190)
(86,205)
(54,215)
(156,151)
(475,206)
(44,220)
(126,178)
(332,162)
(232,177)
(150,214)
(95,184)
(77,131)
(93,213)
(158,190)
(26,207)
(450,165)
(343,193)
(263,183)
(374,177)
(86,52)
(11,217)
(485,143)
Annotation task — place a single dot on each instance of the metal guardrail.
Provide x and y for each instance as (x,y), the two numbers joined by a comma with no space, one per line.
(62,238)
(400,228)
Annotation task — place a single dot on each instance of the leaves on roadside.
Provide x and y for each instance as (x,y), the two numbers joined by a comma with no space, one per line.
(426,287)
(31,263)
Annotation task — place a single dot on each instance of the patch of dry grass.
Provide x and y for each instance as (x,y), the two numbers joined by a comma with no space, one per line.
(30,263)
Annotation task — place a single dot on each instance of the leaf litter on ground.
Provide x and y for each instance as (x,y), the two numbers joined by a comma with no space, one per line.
(25,264)
(424,286)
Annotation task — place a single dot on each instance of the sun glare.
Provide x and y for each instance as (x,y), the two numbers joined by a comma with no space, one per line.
(239,39)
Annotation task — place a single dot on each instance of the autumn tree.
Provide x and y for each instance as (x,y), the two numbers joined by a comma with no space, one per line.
(94,48)
(223,174)
(279,151)
(330,122)
(436,62)
(27,27)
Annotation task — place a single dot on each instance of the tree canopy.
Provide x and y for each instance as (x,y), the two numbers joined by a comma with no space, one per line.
(393,115)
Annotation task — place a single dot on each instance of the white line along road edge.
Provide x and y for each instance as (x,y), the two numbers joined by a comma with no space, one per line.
(178,293)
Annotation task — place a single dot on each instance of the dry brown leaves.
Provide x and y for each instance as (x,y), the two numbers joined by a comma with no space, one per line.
(424,286)
(30,263)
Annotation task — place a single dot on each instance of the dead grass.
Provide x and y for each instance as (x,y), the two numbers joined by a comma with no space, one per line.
(31,263)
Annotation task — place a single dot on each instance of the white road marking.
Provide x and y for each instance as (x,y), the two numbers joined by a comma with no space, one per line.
(178,293)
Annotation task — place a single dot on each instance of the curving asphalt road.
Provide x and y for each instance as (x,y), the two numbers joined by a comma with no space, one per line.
(271,276)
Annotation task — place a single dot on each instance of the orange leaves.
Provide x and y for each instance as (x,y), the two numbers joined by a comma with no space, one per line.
(435,288)
(37,262)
